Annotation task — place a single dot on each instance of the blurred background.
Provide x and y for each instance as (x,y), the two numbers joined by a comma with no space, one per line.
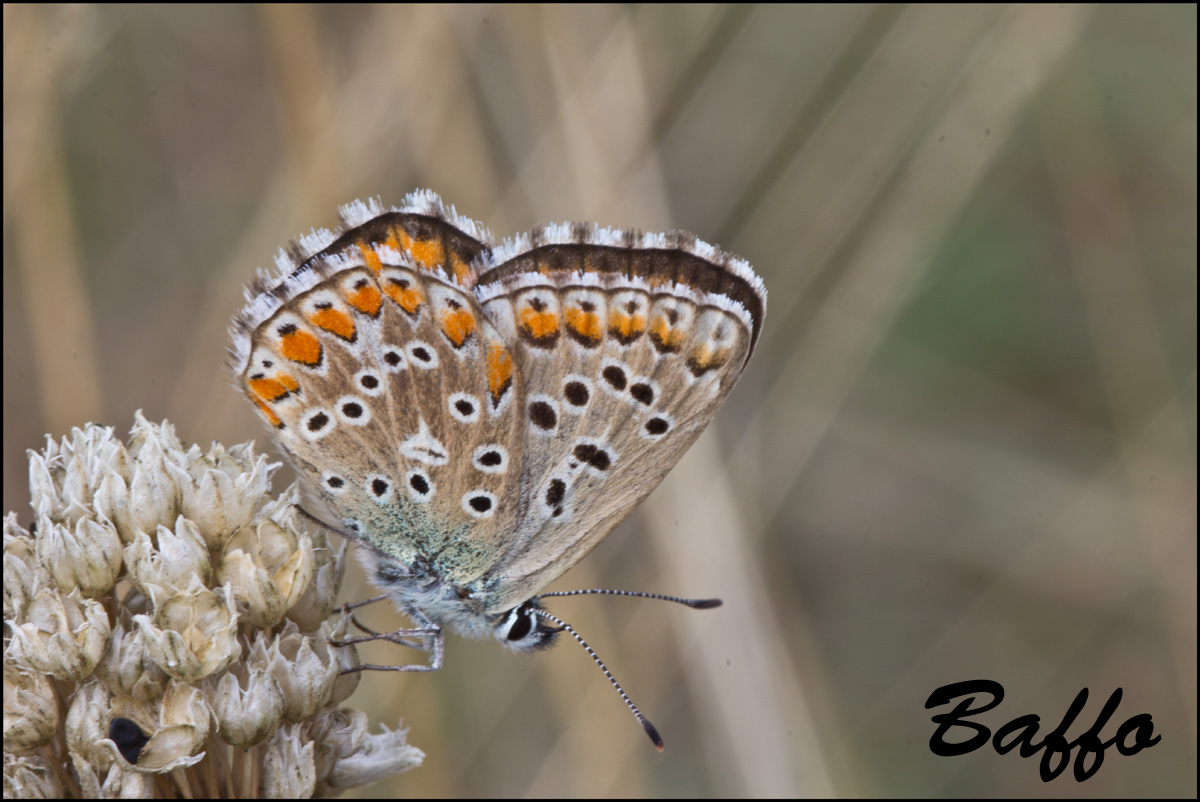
(965,447)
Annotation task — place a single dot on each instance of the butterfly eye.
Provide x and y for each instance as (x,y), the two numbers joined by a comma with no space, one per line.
(523,631)
(522,624)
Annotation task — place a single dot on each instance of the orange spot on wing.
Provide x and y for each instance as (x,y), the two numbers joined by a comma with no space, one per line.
(269,414)
(334,321)
(625,325)
(539,324)
(458,325)
(499,370)
(274,388)
(302,347)
(460,269)
(370,258)
(668,339)
(366,299)
(409,298)
(425,252)
(706,358)
(585,324)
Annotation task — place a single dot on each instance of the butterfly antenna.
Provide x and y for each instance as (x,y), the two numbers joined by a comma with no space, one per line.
(695,604)
(645,722)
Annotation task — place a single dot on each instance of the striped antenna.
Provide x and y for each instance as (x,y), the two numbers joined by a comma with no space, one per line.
(695,604)
(645,722)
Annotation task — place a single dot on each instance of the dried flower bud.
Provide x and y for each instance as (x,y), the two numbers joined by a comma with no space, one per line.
(128,724)
(20,569)
(320,597)
(247,701)
(269,568)
(288,768)
(119,782)
(221,490)
(43,490)
(30,777)
(127,669)
(377,756)
(153,494)
(172,739)
(63,636)
(178,556)
(112,502)
(348,663)
(306,670)
(161,435)
(88,557)
(184,725)
(75,493)
(30,709)
(193,633)
(87,723)
(65,477)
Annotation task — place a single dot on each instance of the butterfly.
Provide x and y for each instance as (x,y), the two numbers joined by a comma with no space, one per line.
(478,417)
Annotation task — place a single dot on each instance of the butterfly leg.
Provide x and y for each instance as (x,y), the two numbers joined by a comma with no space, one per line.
(397,637)
(431,639)
(345,608)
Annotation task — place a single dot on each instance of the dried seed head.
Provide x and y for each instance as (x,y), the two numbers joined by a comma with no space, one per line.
(172,601)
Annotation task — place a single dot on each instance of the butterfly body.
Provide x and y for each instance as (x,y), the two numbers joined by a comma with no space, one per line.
(479,417)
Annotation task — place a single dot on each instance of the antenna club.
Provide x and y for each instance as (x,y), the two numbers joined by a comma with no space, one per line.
(653,733)
(705,604)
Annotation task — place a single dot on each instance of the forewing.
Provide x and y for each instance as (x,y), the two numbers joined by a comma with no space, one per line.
(392,395)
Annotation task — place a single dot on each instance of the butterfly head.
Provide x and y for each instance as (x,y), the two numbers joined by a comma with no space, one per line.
(523,630)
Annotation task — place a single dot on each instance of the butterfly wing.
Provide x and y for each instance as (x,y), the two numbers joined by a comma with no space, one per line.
(395,399)
(627,345)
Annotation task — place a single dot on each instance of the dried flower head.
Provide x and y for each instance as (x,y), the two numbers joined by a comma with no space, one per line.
(167,628)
